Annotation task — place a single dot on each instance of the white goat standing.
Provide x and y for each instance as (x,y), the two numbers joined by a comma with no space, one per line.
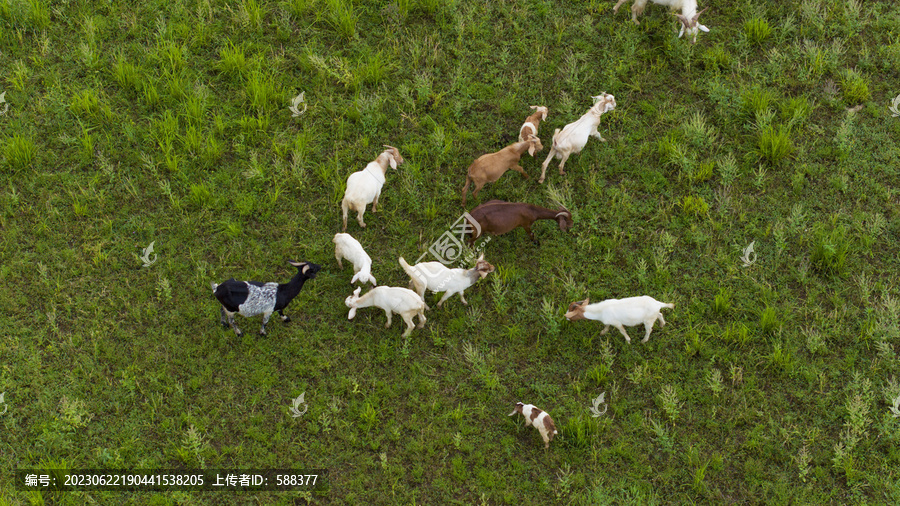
(364,186)
(689,16)
(345,246)
(573,137)
(391,299)
(621,312)
(436,277)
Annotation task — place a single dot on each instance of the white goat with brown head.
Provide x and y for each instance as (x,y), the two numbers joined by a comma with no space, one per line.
(689,16)
(364,186)
(621,312)
(574,136)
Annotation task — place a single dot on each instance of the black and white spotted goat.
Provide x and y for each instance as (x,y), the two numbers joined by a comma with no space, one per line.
(251,298)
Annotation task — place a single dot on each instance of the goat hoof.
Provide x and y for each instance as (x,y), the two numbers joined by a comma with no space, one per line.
(286,319)
(262,333)
(239,334)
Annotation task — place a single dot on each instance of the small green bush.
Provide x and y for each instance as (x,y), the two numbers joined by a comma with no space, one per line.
(855,87)
(830,248)
(757,30)
(774,144)
(19,151)
(696,206)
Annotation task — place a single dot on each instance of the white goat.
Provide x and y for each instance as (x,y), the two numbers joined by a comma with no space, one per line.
(402,301)
(530,127)
(345,246)
(573,137)
(438,278)
(689,16)
(539,418)
(364,186)
(621,312)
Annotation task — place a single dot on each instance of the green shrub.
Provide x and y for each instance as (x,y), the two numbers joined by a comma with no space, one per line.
(19,151)
(774,144)
(696,206)
(830,248)
(757,30)
(855,87)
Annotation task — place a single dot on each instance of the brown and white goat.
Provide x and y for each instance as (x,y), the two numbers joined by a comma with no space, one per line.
(539,418)
(488,168)
(498,217)
(530,127)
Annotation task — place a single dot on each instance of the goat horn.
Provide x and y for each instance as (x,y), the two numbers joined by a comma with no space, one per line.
(697,16)
(389,147)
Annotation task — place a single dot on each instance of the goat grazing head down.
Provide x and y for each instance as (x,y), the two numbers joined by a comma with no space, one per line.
(539,418)
(691,25)
(251,298)
(394,156)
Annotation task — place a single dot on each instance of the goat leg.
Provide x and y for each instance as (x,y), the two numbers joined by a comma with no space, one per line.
(223,320)
(285,318)
(622,330)
(233,325)
(266,317)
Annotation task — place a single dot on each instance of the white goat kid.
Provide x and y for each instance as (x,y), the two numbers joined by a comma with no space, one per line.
(573,137)
(689,16)
(402,301)
(364,186)
(621,312)
(345,246)
(436,277)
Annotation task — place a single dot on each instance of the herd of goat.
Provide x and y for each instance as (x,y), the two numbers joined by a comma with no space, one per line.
(252,298)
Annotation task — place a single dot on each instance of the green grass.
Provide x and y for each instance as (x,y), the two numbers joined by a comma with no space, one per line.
(770,384)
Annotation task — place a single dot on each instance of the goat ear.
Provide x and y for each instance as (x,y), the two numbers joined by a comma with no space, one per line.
(352,313)
(531,148)
(393,162)
(543,115)
(356,292)
(703,28)
(355,277)
(374,283)
(480,257)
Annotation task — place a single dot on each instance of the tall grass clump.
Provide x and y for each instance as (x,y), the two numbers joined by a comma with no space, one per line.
(757,30)
(829,250)
(774,144)
(19,151)
(854,87)
(341,17)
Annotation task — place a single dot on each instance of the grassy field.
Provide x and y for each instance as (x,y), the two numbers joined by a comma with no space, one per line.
(127,123)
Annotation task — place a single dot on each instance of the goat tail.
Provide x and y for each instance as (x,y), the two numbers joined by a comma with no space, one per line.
(406,267)
(670,306)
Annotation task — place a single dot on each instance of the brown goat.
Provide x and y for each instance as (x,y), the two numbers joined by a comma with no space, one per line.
(488,168)
(498,217)
(533,122)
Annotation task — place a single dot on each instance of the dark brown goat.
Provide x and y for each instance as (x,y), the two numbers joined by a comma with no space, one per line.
(498,217)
